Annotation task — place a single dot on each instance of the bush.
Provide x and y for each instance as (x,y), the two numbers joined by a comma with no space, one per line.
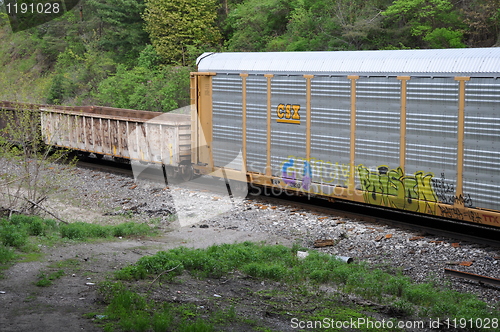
(130,229)
(75,231)
(158,90)
(82,230)
(6,254)
(13,235)
(35,225)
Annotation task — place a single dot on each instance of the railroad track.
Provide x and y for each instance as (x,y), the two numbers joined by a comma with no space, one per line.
(473,233)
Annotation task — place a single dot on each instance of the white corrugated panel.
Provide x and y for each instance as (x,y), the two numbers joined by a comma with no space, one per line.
(470,61)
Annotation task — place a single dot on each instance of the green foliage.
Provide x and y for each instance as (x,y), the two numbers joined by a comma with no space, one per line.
(91,55)
(256,22)
(130,311)
(160,90)
(175,25)
(78,75)
(199,325)
(36,226)
(436,22)
(82,230)
(124,36)
(279,263)
(13,235)
(56,92)
(445,38)
(45,280)
(6,254)
(16,231)
(148,58)
(130,229)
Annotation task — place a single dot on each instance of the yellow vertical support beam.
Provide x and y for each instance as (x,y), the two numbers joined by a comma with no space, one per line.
(461,135)
(308,115)
(402,131)
(244,121)
(268,165)
(352,168)
(194,118)
(204,117)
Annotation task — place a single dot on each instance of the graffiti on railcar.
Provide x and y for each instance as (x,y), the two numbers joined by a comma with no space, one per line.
(446,193)
(291,177)
(418,192)
(393,188)
(461,214)
(298,173)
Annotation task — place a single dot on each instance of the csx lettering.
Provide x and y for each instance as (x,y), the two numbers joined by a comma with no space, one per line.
(288,111)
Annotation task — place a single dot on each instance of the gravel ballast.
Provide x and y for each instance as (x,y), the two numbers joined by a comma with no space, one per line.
(95,196)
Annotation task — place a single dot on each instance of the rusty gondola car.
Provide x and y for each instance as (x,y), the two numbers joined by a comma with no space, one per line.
(414,130)
(148,137)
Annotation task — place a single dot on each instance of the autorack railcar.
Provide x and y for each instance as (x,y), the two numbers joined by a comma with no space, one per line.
(414,130)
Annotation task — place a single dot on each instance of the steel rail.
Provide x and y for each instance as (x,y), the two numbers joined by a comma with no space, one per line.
(441,227)
(471,276)
(468,232)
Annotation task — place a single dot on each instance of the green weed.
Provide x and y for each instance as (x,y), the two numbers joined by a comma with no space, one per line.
(45,280)
(13,235)
(26,233)
(279,263)
(6,254)
(82,230)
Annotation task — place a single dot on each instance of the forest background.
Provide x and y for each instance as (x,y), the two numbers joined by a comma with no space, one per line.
(138,53)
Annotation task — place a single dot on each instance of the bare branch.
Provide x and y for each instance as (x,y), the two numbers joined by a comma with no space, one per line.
(164,272)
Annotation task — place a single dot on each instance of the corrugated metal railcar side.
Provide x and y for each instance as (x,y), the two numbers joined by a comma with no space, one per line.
(412,130)
(161,138)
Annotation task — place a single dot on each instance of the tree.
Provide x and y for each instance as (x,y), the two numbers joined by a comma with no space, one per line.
(322,25)
(436,22)
(256,23)
(147,86)
(34,170)
(176,27)
(482,18)
(122,28)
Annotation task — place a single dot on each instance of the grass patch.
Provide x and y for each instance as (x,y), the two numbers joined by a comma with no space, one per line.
(6,254)
(31,257)
(129,311)
(278,263)
(45,279)
(82,230)
(23,234)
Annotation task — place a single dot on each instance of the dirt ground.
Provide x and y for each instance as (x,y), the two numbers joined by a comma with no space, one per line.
(61,306)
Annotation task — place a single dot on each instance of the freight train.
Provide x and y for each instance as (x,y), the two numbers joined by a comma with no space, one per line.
(412,130)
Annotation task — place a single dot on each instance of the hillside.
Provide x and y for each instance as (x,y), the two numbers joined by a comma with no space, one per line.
(138,54)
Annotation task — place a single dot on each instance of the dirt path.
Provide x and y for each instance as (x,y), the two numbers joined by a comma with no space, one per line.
(61,306)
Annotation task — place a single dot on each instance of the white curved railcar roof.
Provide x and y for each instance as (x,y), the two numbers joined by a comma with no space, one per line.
(482,62)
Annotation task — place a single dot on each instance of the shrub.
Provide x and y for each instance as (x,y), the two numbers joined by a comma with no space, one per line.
(13,235)
(6,254)
(130,229)
(36,226)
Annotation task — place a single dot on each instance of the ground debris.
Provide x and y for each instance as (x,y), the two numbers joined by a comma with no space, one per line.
(324,243)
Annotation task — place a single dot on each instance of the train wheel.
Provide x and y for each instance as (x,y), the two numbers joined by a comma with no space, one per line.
(238,188)
(185,172)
